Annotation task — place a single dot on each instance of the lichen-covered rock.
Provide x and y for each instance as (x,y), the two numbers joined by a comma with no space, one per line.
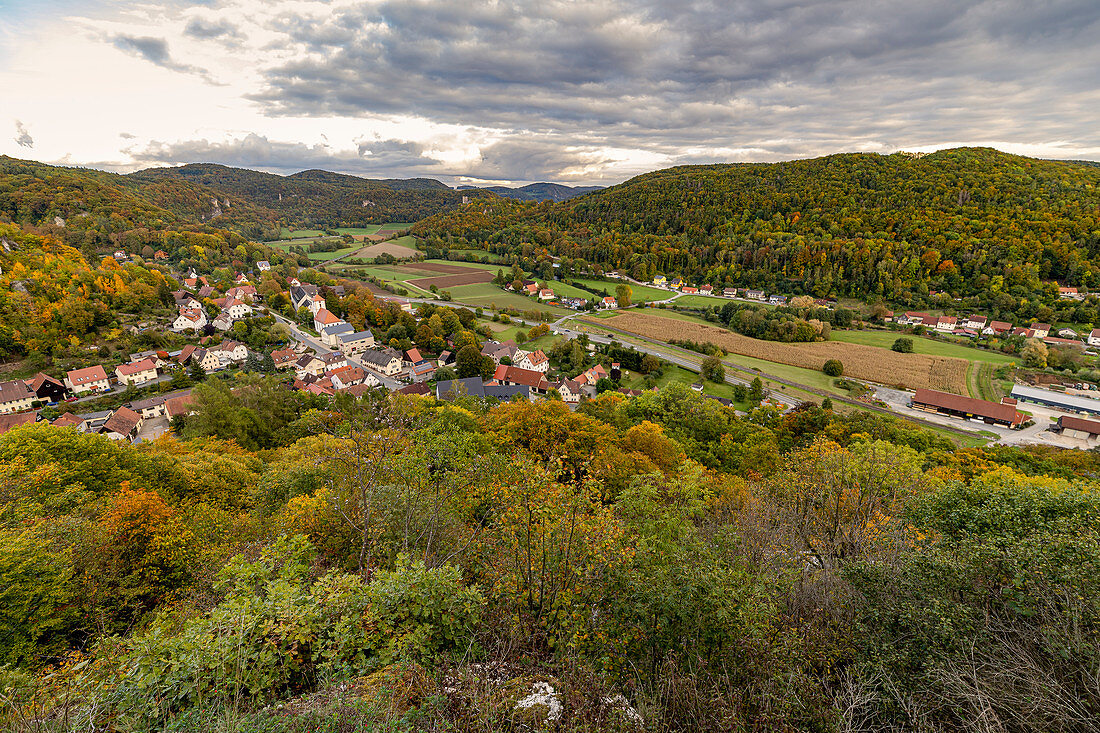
(620,711)
(534,702)
(401,687)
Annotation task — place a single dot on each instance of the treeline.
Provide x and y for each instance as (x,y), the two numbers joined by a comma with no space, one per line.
(995,230)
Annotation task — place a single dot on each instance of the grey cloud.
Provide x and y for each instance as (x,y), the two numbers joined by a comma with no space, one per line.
(379,158)
(155,51)
(772,77)
(212,29)
(23,138)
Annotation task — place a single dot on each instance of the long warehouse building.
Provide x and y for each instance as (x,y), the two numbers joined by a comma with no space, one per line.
(945,403)
(1058,400)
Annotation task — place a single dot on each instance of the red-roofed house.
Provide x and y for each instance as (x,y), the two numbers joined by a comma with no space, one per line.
(535,361)
(90,379)
(508,375)
(123,424)
(136,372)
(323,317)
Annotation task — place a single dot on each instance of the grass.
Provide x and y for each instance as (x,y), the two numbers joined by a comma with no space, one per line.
(479,253)
(563,290)
(674,374)
(921,345)
(638,293)
(701,301)
(406,241)
(360,231)
(325,256)
(285,233)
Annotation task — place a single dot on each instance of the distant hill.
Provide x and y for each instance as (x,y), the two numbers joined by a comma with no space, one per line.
(539,191)
(316,197)
(971,222)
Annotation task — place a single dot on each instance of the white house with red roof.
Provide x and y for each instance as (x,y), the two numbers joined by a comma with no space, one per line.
(536,361)
(90,379)
(136,372)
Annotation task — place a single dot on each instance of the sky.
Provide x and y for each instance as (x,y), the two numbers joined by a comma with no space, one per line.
(575,91)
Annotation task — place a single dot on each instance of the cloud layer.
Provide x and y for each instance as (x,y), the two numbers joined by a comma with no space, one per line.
(596,90)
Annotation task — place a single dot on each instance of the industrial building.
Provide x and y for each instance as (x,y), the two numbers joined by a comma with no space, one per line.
(1057,400)
(945,403)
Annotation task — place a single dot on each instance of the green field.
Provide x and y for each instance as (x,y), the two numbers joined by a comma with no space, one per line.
(479,253)
(360,231)
(885,339)
(701,301)
(325,256)
(285,233)
(638,293)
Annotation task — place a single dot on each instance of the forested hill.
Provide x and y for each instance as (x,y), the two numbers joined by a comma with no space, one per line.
(540,191)
(965,221)
(317,197)
(210,196)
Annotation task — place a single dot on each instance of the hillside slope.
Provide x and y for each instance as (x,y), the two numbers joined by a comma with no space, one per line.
(540,191)
(967,221)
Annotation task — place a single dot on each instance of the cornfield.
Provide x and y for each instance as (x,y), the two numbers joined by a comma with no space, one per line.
(871,363)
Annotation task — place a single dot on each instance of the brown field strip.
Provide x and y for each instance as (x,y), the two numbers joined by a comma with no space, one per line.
(389,248)
(861,362)
(449,269)
(450,281)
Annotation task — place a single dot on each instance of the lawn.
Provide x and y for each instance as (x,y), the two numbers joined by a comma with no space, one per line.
(568,291)
(674,374)
(406,241)
(325,256)
(934,347)
(638,293)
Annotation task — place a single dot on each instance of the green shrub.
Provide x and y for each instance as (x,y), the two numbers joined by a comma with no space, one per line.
(833,368)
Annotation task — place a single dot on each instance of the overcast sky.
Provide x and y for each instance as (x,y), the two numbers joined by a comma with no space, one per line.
(576,91)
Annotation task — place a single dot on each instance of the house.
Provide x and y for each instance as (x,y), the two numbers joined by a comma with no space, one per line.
(778,300)
(997,328)
(689,290)
(729,293)
(946,324)
(90,379)
(1094,337)
(189,318)
(136,373)
(160,254)
(497,350)
(754,294)
(349,375)
(263,265)
(355,343)
(529,287)
(308,364)
(222,322)
(422,371)
(574,303)
(1068,333)
(569,390)
(15,396)
(706,289)
(245,293)
(912,318)
(231,351)
(546,294)
(14,420)
(1041,330)
(609,303)
(123,424)
(412,356)
(535,361)
(207,359)
(445,359)
(179,406)
(474,387)
(977,322)
(236,308)
(68,420)
(242,279)
(154,406)
(676,283)
(512,375)
(306,296)
(955,405)
(330,335)
(184,299)
(46,388)
(324,318)
(1070,293)
(385,361)
(284,358)
(333,360)
(206,291)
(660,281)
